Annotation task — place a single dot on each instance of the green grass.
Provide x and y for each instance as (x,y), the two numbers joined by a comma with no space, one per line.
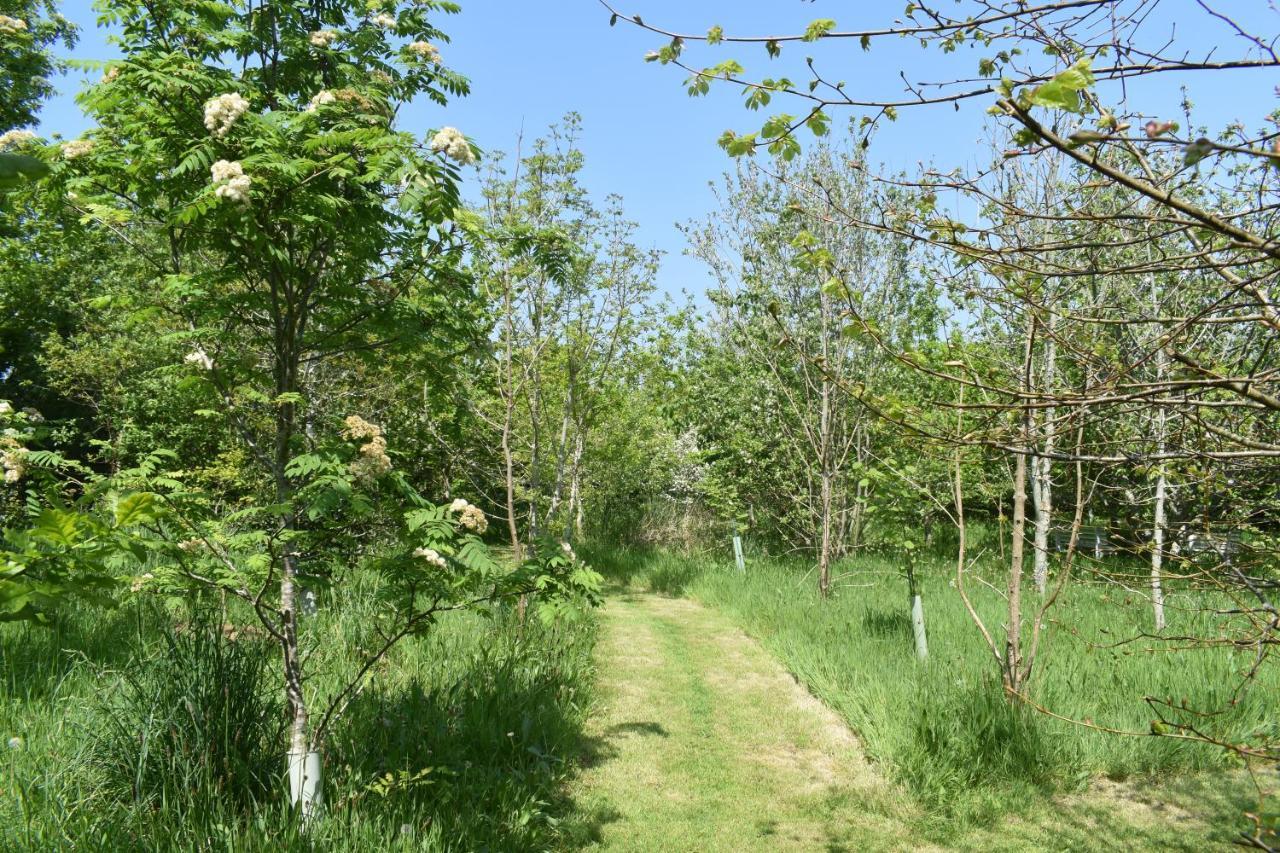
(115,713)
(941,728)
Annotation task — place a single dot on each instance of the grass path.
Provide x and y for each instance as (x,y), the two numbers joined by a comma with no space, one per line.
(702,741)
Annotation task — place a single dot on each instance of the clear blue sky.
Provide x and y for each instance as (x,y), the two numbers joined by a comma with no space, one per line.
(531,62)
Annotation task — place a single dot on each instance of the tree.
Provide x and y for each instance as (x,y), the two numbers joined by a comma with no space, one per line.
(248,154)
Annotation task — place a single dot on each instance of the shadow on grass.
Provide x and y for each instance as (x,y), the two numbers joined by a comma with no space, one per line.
(36,659)
(888,625)
(479,758)
(653,571)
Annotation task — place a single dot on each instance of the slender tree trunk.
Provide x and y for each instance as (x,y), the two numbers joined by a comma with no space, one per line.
(1159,522)
(825,459)
(1013,630)
(305,769)
(562,454)
(573,512)
(1043,474)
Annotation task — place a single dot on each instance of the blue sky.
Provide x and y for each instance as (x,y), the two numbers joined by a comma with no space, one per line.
(531,62)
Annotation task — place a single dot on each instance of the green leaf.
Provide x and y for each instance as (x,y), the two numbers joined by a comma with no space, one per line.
(817,29)
(135,509)
(1063,91)
(818,123)
(715,35)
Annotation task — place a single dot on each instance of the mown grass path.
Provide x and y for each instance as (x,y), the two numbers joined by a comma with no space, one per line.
(704,742)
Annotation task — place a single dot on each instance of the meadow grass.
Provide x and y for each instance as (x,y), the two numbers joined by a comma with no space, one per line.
(941,727)
(462,743)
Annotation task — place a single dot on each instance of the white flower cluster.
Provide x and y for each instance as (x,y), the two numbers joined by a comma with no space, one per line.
(320,99)
(425,50)
(432,557)
(231,181)
(568,550)
(373,461)
(76,148)
(112,73)
(221,112)
(14,461)
(9,26)
(14,138)
(200,357)
(191,546)
(470,516)
(140,581)
(13,454)
(450,142)
(384,20)
(322,38)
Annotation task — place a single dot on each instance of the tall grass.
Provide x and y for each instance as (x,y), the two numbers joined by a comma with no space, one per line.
(148,728)
(941,726)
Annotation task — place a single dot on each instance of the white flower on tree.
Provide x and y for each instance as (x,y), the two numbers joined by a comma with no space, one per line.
(322,38)
(451,143)
(9,26)
(220,113)
(432,556)
(320,99)
(425,50)
(230,181)
(199,357)
(469,516)
(14,138)
(384,20)
(373,461)
(14,461)
(76,148)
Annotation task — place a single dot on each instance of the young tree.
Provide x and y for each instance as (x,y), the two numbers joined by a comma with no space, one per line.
(249,154)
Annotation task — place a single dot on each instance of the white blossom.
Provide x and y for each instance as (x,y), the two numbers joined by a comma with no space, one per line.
(140,581)
(220,113)
(320,99)
(469,516)
(357,428)
(5,407)
(230,181)
(33,414)
(373,460)
(9,26)
(15,743)
(425,50)
(432,556)
(14,138)
(450,142)
(199,357)
(322,38)
(76,148)
(14,463)
(384,20)
(236,189)
(112,73)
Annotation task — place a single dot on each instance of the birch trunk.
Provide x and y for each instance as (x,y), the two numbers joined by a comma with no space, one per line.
(1043,474)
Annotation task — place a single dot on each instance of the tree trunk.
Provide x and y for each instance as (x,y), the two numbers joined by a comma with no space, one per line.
(573,511)
(1159,522)
(1043,475)
(1012,663)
